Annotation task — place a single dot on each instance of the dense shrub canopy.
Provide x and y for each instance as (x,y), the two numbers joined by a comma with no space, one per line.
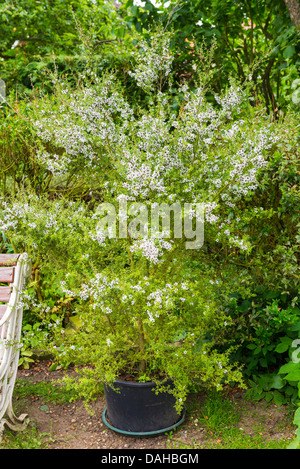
(150,103)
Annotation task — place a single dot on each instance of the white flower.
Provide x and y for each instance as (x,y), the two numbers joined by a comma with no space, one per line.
(150,315)
(138,3)
(199,23)
(159,4)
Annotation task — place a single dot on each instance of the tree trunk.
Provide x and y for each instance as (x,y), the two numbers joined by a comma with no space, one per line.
(294,10)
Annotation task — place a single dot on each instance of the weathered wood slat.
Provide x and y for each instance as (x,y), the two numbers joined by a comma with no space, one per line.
(5,294)
(7,274)
(9,259)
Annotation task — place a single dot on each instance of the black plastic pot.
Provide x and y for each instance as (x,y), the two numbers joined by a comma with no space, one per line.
(135,409)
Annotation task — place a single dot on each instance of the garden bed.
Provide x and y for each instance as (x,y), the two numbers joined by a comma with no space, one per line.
(232,422)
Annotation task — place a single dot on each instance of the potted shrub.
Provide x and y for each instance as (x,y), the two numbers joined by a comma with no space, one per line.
(130,252)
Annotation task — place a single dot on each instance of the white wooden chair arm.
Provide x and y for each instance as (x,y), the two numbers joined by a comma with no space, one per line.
(15,273)
(22,273)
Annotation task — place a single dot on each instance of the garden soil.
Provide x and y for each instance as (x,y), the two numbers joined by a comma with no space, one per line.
(71,426)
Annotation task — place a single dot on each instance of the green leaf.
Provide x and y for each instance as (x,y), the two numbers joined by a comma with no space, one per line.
(148,7)
(251,346)
(288,367)
(269,396)
(75,322)
(134,10)
(296,420)
(279,398)
(283,347)
(295,444)
(27,353)
(277,382)
(258,395)
(138,26)
(288,52)
(257,350)
(270,294)
(120,32)
(293,375)
(295,327)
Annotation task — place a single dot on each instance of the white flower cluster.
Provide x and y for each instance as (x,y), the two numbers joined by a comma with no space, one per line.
(56,164)
(111,295)
(12,213)
(96,289)
(141,177)
(152,248)
(80,128)
(34,220)
(205,155)
(154,61)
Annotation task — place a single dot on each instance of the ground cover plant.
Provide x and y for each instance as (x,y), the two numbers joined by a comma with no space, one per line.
(171,129)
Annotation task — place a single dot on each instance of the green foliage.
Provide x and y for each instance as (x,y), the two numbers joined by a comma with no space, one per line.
(34,337)
(265,314)
(261,327)
(252,38)
(31,438)
(256,38)
(290,375)
(62,35)
(132,318)
(218,412)
(5,245)
(282,386)
(49,392)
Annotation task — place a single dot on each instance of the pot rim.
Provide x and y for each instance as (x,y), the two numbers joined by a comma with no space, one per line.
(133,384)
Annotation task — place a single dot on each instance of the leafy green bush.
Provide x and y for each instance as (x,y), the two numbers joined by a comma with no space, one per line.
(58,35)
(256,38)
(85,145)
(261,326)
(143,307)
